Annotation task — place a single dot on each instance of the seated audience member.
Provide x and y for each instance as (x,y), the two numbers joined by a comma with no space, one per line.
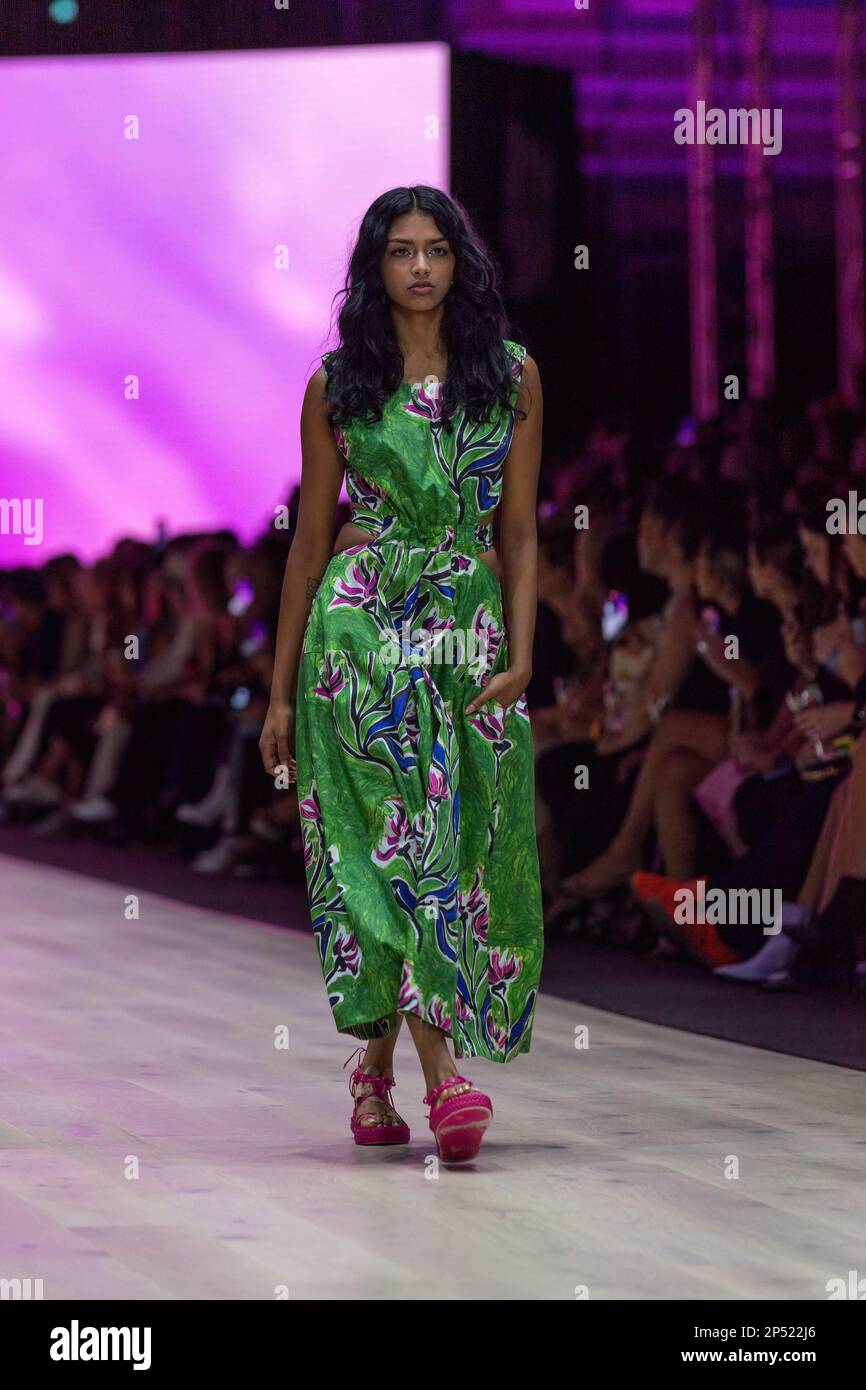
(736,635)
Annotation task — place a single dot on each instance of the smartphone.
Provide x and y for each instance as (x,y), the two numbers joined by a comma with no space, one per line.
(241,596)
(711,620)
(255,639)
(687,432)
(614,615)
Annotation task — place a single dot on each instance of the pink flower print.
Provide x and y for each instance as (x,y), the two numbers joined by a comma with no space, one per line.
(462,1011)
(331,678)
(487,630)
(437,785)
(499,1036)
(426,403)
(364,495)
(503,965)
(356,589)
(489,720)
(347,953)
(408,996)
(439,1015)
(475,908)
(310,809)
(398,836)
(443,650)
(342,442)
(413,728)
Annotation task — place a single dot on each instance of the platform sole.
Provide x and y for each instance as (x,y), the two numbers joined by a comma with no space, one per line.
(459,1137)
(387,1134)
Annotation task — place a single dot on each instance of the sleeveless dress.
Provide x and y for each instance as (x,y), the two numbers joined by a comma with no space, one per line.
(418,819)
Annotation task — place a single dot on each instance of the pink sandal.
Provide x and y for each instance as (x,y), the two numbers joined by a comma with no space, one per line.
(458,1122)
(380,1086)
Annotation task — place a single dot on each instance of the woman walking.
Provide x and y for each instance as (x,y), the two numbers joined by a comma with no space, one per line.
(402,662)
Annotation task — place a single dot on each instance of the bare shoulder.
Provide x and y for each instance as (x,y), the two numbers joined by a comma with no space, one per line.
(529,395)
(530,370)
(315,400)
(317,384)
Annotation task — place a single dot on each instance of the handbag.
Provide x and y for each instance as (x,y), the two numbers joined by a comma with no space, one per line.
(715,796)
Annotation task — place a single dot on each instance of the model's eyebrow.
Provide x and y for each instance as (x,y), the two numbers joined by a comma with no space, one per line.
(406,241)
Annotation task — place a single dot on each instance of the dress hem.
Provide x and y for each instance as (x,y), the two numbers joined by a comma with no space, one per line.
(374,1031)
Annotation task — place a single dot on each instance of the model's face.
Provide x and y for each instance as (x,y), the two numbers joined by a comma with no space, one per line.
(816,551)
(416,254)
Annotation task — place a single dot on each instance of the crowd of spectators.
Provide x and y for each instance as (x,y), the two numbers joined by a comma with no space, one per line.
(698,689)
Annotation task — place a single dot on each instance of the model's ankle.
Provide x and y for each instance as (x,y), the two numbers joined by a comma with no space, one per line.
(379,1068)
(439,1073)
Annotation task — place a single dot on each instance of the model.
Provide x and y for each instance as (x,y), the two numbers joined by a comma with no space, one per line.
(398,698)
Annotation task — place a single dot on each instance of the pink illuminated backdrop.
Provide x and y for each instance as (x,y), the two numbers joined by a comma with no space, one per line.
(156,258)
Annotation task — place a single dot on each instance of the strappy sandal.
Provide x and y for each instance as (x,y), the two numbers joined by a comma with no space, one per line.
(458,1122)
(380,1086)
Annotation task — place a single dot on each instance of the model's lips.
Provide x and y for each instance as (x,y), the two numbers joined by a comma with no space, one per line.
(421,289)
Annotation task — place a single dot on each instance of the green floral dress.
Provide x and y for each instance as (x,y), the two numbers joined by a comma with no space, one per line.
(418,819)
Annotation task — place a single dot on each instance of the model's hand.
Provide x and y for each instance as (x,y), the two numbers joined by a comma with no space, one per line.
(503,689)
(277,743)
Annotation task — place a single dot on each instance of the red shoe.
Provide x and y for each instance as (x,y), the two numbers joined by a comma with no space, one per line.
(458,1122)
(361,1087)
(660,897)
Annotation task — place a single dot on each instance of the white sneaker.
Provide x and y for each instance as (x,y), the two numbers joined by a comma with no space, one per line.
(94,809)
(217,859)
(211,807)
(773,956)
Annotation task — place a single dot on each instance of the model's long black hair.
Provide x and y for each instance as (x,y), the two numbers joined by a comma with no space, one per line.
(367,367)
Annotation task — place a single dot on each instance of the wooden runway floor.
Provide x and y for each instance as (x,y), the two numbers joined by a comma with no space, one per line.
(155,1143)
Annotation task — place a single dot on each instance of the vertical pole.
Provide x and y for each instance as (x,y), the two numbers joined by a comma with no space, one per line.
(850,336)
(702,228)
(760,328)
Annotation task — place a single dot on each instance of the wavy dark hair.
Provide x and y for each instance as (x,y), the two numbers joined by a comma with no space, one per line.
(367,367)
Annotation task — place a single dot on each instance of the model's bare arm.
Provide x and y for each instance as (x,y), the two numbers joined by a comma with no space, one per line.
(322,467)
(519,541)
(518,534)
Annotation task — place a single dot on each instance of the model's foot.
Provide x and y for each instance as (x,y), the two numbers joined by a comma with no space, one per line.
(455,1090)
(370,1109)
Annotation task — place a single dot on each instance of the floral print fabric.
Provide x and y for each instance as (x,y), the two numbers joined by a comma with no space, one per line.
(418,819)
